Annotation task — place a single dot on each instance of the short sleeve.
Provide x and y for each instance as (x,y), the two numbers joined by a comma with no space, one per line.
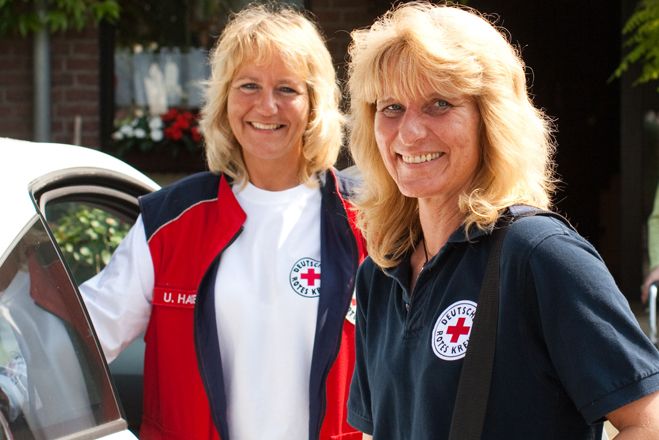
(600,354)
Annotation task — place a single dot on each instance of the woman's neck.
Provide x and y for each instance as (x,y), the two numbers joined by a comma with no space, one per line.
(438,221)
(274,179)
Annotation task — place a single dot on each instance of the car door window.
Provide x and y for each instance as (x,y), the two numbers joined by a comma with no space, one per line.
(53,380)
(87,234)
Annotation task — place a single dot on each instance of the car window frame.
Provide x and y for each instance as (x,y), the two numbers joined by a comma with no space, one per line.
(109,427)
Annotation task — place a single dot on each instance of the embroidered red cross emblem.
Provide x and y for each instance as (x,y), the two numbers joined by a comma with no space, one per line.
(458,330)
(310,277)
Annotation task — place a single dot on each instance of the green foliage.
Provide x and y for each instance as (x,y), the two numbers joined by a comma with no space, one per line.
(87,237)
(642,31)
(22,17)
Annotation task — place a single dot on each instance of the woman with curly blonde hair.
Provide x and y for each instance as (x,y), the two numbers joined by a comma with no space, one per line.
(452,149)
(242,276)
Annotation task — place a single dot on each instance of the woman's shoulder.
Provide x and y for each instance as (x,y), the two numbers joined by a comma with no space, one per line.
(544,234)
(199,185)
(170,201)
(540,224)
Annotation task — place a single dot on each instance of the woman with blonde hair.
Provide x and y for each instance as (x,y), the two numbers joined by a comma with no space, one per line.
(243,276)
(454,154)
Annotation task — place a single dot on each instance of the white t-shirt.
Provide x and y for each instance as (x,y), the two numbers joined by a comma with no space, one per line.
(266,299)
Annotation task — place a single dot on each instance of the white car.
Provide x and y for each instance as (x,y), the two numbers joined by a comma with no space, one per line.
(65,208)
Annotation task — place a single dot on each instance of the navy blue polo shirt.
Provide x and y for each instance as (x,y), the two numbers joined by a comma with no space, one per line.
(569,350)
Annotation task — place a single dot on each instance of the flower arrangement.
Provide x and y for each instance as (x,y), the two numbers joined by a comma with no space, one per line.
(173,131)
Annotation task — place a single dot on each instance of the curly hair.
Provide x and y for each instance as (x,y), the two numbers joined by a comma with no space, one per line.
(455,51)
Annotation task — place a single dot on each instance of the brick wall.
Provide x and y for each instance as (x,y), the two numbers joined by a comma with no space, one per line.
(75,73)
(74,87)
(16,88)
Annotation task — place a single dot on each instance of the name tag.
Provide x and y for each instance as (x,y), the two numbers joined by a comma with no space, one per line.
(174,297)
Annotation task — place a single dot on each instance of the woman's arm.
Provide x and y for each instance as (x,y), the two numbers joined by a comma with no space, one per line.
(637,420)
(118,298)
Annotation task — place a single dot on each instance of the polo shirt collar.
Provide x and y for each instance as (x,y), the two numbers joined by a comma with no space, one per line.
(402,271)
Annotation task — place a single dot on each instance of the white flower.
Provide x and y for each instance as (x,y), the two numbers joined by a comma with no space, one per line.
(126,130)
(156,135)
(155,122)
(117,135)
(140,133)
(139,113)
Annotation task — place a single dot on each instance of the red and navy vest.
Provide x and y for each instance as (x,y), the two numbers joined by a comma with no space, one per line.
(188,226)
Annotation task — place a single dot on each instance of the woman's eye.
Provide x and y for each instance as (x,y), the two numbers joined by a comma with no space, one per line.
(441,104)
(249,86)
(392,109)
(288,90)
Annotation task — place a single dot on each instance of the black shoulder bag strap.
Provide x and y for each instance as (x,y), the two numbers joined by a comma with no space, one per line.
(474,385)
(476,375)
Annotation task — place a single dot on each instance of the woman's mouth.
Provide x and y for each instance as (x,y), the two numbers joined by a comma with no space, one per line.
(420,158)
(261,126)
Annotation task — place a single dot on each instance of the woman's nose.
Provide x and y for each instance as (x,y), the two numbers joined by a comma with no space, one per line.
(267,103)
(412,128)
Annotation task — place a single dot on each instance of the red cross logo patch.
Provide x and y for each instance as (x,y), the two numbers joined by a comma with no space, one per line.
(305,277)
(450,336)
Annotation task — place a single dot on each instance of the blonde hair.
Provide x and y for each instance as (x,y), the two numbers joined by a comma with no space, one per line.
(454,51)
(255,34)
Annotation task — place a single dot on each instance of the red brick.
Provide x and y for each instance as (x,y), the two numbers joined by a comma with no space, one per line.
(71,110)
(56,95)
(6,112)
(14,64)
(59,47)
(57,125)
(16,47)
(79,95)
(85,47)
(18,94)
(86,63)
(87,79)
(61,79)
(14,79)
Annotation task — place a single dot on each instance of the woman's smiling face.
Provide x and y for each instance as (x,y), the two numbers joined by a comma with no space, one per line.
(430,145)
(268,110)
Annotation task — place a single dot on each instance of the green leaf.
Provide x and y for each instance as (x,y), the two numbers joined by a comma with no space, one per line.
(642,31)
(19,17)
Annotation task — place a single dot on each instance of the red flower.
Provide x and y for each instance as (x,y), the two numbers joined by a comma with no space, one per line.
(171,114)
(182,122)
(181,126)
(174,133)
